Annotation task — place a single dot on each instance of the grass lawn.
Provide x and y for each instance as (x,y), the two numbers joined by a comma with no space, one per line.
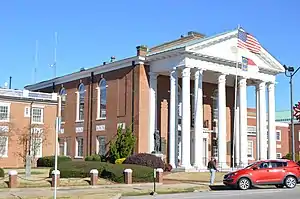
(202,177)
(39,178)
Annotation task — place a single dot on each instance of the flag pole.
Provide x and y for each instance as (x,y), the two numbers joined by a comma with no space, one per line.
(54,64)
(235,105)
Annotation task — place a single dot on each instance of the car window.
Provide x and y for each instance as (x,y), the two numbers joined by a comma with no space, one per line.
(276,164)
(265,165)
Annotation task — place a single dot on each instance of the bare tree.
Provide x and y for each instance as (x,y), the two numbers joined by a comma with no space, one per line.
(30,141)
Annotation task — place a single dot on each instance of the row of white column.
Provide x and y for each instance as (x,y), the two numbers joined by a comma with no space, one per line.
(241,137)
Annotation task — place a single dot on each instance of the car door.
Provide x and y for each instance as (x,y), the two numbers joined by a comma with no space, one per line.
(262,174)
(277,172)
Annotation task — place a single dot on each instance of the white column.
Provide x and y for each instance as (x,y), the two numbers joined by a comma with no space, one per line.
(237,131)
(262,121)
(243,122)
(198,110)
(152,110)
(186,119)
(257,124)
(271,122)
(173,117)
(222,130)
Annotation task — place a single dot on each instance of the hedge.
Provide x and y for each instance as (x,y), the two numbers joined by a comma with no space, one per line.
(49,161)
(113,172)
(145,159)
(2,173)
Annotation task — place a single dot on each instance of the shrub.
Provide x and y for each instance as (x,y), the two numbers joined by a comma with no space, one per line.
(145,159)
(120,161)
(94,157)
(2,173)
(49,161)
(122,146)
(290,157)
(113,172)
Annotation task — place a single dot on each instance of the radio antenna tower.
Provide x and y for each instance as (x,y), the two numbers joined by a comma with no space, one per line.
(54,63)
(35,61)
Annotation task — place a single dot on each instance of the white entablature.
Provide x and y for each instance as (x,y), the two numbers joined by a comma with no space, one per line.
(218,53)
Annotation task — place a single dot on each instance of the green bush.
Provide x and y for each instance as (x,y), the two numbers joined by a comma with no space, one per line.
(113,172)
(122,146)
(94,157)
(290,157)
(49,161)
(2,173)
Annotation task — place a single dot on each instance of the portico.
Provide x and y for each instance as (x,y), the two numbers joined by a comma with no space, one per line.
(212,65)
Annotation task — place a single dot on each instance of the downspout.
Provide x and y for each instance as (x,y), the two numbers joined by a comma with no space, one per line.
(132,101)
(91,112)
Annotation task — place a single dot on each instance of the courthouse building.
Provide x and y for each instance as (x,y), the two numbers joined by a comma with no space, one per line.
(183,89)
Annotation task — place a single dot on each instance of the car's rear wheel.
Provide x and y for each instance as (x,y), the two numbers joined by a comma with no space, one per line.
(244,184)
(290,182)
(279,185)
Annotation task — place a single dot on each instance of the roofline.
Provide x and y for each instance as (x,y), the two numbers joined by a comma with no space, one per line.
(123,63)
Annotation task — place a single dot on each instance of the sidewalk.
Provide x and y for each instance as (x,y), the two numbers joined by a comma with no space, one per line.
(99,192)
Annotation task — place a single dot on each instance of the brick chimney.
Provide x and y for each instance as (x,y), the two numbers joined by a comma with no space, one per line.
(141,50)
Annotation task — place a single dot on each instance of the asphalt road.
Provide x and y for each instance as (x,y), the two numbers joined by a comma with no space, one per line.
(232,194)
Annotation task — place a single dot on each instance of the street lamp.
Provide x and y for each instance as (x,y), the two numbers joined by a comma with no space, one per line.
(290,72)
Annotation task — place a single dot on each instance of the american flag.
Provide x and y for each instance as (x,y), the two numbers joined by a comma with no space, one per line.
(247,41)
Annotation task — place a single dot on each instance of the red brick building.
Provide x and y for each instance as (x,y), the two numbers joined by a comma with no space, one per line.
(183,89)
(24,113)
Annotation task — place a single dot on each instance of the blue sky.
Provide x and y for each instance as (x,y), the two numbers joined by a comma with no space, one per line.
(90,33)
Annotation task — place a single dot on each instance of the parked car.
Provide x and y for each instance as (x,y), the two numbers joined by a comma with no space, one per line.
(269,172)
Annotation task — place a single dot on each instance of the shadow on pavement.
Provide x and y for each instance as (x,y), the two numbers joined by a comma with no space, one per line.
(224,188)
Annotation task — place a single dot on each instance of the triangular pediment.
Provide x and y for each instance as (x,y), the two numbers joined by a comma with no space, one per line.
(224,46)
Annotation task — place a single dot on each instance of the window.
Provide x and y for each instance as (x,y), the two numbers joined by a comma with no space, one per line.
(63,95)
(250,149)
(101,145)
(80,102)
(3,146)
(278,155)
(63,146)
(37,147)
(37,115)
(27,112)
(102,99)
(299,136)
(79,147)
(4,112)
(278,135)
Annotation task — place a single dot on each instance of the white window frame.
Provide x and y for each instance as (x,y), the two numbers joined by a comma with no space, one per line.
(77,103)
(99,100)
(6,104)
(65,148)
(280,155)
(278,131)
(299,135)
(42,115)
(5,155)
(76,145)
(252,150)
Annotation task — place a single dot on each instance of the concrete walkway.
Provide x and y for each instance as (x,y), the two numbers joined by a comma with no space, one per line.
(106,191)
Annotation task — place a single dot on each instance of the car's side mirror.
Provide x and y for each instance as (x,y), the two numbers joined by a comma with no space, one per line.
(255,168)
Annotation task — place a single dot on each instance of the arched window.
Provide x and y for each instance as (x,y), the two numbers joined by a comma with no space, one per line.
(81,95)
(63,95)
(102,99)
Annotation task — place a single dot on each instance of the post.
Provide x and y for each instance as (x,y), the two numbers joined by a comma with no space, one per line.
(13,179)
(94,176)
(128,176)
(154,182)
(57,128)
(292,119)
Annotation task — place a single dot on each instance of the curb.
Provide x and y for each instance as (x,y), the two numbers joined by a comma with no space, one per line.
(118,196)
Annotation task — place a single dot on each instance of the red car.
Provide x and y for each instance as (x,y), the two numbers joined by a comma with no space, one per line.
(269,172)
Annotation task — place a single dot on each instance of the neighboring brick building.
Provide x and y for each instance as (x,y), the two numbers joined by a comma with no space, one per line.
(16,121)
(285,117)
(176,89)
(282,137)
